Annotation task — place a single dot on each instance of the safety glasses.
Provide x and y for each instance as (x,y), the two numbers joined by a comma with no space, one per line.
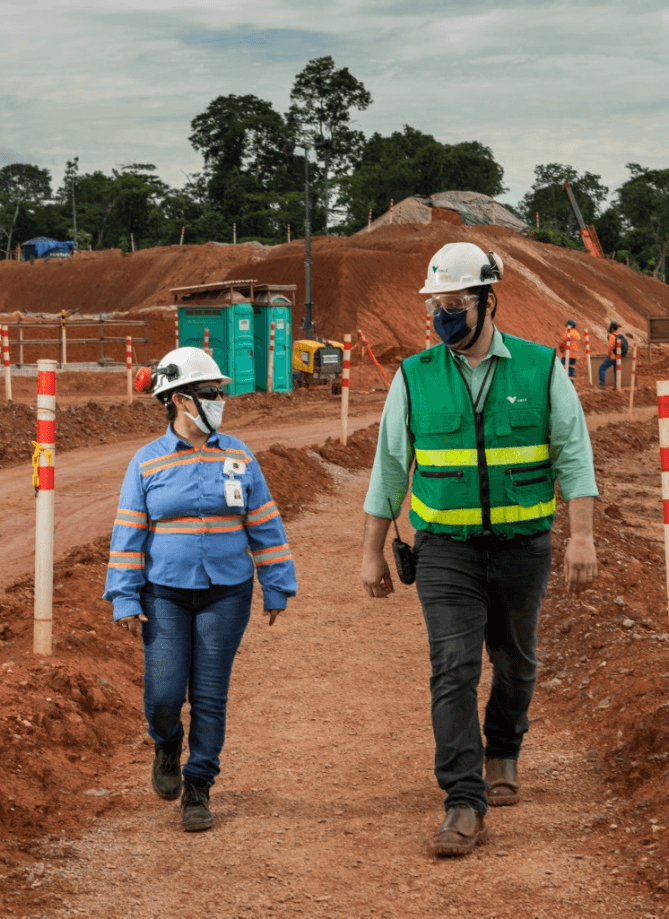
(452,303)
(209,393)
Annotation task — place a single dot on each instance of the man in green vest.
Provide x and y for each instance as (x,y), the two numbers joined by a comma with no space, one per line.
(488,421)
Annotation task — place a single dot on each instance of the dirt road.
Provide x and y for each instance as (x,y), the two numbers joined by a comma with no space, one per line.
(326,801)
(88,482)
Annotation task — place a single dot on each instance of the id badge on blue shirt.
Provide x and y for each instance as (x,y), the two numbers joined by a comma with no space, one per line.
(234,496)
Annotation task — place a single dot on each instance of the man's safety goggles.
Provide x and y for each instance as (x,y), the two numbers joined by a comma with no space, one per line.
(209,393)
(452,304)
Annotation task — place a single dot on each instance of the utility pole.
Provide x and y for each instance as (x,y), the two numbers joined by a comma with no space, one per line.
(72,169)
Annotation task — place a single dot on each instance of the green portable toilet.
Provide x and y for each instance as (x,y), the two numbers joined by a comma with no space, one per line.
(271,305)
(228,315)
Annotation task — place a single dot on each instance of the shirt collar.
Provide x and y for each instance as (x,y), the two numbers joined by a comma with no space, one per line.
(497,348)
(176,443)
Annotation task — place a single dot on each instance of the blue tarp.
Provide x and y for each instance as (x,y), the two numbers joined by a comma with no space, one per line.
(41,247)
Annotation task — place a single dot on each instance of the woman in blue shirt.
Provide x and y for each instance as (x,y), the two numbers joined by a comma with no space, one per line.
(195,518)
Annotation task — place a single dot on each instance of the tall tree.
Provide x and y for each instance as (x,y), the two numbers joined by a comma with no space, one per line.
(644,204)
(552,204)
(412,163)
(20,182)
(323,98)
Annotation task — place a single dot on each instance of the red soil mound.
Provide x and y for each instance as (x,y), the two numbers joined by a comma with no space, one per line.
(369,281)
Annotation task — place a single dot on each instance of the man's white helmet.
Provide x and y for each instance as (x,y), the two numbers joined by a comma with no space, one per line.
(457,266)
(183,366)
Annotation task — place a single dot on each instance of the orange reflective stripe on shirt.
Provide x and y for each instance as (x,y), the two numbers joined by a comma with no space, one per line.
(198,525)
(261,514)
(127,518)
(271,555)
(126,559)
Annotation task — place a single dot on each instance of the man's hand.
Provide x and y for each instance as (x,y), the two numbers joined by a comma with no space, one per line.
(131,623)
(580,559)
(376,575)
(272,613)
(580,563)
(375,572)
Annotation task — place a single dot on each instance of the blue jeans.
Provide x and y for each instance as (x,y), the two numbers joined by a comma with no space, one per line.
(572,366)
(190,642)
(603,367)
(484,590)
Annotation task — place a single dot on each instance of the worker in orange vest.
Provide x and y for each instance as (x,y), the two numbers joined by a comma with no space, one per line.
(611,357)
(572,336)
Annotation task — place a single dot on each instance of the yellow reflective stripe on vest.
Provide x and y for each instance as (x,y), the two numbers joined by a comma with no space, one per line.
(497,456)
(472,516)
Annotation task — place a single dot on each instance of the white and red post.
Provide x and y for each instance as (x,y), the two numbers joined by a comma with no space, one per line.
(346,373)
(44,524)
(181,241)
(270,357)
(5,361)
(128,366)
(588,362)
(63,335)
(132,241)
(391,209)
(176,329)
(205,346)
(663,416)
(632,378)
(288,231)
(234,234)
(619,365)
(567,352)
(369,221)
(428,332)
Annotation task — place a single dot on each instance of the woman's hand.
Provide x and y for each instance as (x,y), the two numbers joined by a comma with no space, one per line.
(131,623)
(272,613)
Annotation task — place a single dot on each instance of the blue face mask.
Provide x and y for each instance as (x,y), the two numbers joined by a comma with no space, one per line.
(451,328)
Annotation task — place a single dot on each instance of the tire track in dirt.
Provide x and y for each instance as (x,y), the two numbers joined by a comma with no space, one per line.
(326,801)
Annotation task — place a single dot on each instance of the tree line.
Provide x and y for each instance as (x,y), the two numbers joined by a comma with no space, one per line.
(253,175)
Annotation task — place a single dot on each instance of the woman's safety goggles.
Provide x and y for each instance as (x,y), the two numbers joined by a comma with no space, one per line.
(452,303)
(209,393)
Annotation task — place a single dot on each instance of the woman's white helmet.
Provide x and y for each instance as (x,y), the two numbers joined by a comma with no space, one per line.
(183,366)
(457,266)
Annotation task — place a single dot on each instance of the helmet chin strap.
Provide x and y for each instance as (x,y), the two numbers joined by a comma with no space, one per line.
(198,406)
(480,316)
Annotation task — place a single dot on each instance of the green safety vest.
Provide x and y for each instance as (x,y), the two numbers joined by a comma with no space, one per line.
(486,470)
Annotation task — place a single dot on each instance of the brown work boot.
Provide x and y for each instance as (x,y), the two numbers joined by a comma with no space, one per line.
(462,830)
(502,778)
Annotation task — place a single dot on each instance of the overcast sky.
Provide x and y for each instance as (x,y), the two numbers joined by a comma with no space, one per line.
(581,82)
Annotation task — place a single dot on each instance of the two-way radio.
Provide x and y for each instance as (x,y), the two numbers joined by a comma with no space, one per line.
(405,560)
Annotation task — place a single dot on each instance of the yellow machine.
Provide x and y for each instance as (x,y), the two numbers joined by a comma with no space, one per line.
(318,361)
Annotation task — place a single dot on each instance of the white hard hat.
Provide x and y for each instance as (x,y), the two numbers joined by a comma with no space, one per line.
(183,366)
(457,266)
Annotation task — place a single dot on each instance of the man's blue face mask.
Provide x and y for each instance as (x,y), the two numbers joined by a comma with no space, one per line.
(451,327)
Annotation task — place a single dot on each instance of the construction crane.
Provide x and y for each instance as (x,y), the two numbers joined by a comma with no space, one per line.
(588,233)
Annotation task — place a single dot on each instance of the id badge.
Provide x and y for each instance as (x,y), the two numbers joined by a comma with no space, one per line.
(233,466)
(233,493)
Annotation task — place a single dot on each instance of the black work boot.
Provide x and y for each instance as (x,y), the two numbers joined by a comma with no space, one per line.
(166,772)
(195,805)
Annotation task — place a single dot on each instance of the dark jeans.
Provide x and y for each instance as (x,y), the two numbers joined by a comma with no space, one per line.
(572,366)
(190,642)
(603,367)
(482,590)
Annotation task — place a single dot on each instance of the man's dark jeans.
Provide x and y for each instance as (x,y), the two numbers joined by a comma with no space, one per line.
(484,590)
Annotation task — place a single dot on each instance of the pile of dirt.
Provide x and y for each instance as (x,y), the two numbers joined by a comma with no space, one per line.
(369,281)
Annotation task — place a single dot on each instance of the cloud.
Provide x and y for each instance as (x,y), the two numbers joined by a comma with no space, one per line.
(272,44)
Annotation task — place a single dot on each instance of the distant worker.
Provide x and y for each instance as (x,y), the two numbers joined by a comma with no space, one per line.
(610,361)
(195,519)
(572,336)
(489,420)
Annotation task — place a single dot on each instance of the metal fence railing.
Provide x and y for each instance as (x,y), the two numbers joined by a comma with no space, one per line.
(26,337)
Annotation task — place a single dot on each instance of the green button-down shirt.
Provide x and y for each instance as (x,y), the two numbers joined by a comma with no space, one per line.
(570,449)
